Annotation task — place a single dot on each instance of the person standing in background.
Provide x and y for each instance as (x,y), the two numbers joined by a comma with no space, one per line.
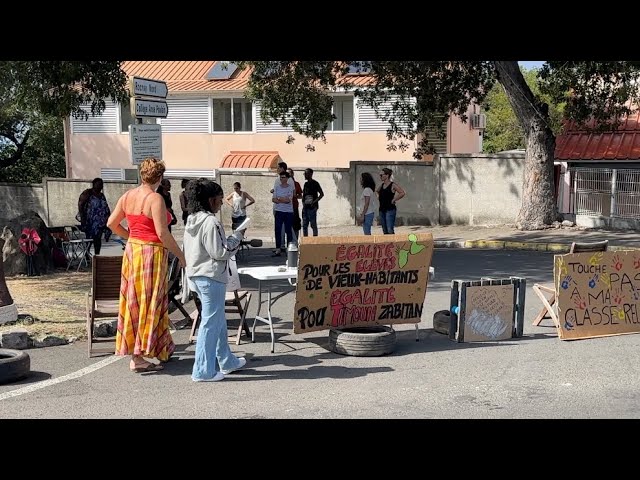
(94,212)
(238,201)
(183,201)
(311,194)
(164,189)
(389,193)
(296,225)
(368,202)
(283,201)
(282,167)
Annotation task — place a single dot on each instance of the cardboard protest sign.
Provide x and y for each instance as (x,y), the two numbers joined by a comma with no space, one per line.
(489,313)
(363,280)
(597,293)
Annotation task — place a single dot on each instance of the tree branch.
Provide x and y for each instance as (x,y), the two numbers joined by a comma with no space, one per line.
(17,154)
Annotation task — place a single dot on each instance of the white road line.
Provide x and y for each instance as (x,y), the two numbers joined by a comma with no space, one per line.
(64,378)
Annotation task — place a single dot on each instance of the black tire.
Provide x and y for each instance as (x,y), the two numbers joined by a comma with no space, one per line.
(362,342)
(14,365)
(441,321)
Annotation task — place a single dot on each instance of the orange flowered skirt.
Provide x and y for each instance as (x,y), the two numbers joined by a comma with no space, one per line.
(143,318)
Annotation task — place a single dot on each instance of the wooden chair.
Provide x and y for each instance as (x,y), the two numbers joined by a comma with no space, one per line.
(104,297)
(548,309)
(237,302)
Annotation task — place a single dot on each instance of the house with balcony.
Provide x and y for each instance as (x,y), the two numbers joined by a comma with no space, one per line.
(211,125)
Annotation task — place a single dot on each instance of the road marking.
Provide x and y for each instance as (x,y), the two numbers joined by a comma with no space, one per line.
(64,378)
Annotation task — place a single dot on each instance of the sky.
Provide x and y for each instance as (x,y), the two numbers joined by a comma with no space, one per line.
(530,64)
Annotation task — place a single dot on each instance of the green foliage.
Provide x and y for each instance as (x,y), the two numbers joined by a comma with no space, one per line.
(418,95)
(42,157)
(35,97)
(503,131)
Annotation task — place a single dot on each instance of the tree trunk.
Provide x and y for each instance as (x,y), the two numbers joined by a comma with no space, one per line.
(5,296)
(538,203)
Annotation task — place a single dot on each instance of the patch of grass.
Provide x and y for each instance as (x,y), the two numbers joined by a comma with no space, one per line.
(57,303)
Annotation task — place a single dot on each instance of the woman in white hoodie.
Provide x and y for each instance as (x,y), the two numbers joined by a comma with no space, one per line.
(207,251)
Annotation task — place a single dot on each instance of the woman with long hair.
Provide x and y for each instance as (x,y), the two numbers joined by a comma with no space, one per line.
(368,202)
(389,192)
(207,251)
(143,318)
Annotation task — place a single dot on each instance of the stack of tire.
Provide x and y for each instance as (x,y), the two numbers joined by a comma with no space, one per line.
(362,342)
(14,365)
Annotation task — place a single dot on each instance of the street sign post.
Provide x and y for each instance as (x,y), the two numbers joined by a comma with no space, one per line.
(148,88)
(146,141)
(149,108)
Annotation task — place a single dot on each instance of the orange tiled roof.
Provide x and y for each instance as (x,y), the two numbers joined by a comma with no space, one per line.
(251,159)
(620,144)
(184,77)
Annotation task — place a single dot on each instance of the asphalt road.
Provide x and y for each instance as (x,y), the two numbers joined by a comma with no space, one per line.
(537,376)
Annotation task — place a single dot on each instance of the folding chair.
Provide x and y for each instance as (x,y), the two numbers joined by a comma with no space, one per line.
(548,309)
(236,301)
(175,287)
(104,297)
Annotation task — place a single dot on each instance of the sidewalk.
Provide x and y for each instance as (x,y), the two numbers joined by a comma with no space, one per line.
(499,237)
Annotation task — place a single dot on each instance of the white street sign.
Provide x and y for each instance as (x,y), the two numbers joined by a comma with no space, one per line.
(146,141)
(148,88)
(149,108)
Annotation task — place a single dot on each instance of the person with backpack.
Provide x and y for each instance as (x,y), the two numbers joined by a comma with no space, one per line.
(93,213)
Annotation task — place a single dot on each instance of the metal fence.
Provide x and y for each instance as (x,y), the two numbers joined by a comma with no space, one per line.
(606,192)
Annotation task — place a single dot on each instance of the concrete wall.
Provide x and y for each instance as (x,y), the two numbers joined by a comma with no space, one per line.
(477,189)
(336,208)
(418,180)
(469,189)
(62,197)
(17,198)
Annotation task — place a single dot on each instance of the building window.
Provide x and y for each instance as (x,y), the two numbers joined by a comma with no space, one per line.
(126,119)
(232,115)
(343,111)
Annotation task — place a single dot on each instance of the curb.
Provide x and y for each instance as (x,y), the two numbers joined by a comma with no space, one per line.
(511,245)
(501,245)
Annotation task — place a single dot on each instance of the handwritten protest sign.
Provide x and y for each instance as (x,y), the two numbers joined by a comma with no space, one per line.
(489,313)
(597,293)
(362,280)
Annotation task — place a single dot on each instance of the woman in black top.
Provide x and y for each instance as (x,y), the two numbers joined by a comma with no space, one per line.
(388,194)
(164,189)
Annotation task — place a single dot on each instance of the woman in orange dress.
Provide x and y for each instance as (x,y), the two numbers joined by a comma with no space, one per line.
(143,319)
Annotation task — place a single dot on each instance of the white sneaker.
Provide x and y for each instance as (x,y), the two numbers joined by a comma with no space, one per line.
(243,362)
(216,378)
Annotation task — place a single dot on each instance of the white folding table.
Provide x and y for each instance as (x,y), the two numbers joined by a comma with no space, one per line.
(267,274)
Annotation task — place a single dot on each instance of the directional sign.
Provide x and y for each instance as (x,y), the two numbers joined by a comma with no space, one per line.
(149,108)
(148,88)
(146,141)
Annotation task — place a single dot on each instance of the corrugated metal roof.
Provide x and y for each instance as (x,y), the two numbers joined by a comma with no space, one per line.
(191,76)
(251,159)
(621,144)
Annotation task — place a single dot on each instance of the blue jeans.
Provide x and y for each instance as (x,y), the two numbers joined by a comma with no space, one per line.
(388,221)
(212,345)
(310,216)
(283,219)
(367,223)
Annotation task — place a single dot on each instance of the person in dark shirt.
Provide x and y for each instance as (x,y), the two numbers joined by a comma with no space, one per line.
(389,192)
(311,194)
(164,189)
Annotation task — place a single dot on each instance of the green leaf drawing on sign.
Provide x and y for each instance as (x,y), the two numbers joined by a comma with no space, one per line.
(403,258)
(412,237)
(416,248)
